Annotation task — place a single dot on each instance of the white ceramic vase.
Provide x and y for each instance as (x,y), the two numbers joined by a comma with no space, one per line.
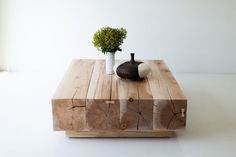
(110,62)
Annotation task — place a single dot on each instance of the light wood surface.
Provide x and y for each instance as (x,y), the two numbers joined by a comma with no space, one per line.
(101,113)
(88,99)
(120,133)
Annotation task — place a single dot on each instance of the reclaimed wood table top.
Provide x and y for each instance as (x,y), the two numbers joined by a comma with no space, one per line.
(86,79)
(155,103)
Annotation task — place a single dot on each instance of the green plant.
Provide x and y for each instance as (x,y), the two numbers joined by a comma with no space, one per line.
(109,39)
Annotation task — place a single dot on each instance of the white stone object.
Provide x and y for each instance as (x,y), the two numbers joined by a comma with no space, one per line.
(143,70)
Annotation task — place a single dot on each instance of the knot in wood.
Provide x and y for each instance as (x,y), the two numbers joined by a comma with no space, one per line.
(123,126)
(131,99)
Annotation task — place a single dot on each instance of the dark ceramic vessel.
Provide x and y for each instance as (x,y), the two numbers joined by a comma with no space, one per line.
(129,70)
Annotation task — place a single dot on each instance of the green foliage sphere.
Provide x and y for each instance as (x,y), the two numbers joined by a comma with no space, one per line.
(109,39)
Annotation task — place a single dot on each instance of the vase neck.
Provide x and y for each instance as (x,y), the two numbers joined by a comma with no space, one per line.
(132,57)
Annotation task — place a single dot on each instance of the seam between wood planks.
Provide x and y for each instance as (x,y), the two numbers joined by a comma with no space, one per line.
(173,110)
(138,107)
(110,94)
(73,106)
(167,87)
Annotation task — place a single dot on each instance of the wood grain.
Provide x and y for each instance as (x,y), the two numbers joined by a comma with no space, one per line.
(170,104)
(136,105)
(69,99)
(89,102)
(101,114)
(120,134)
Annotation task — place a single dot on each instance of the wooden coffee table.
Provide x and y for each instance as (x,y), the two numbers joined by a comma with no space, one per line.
(90,103)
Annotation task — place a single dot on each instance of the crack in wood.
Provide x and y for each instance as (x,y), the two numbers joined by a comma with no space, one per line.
(88,89)
(138,109)
(72,115)
(138,123)
(172,119)
(103,110)
(109,105)
(173,105)
(168,125)
(145,120)
(158,80)
(173,110)
(168,90)
(140,113)
(73,97)
(102,122)
(75,107)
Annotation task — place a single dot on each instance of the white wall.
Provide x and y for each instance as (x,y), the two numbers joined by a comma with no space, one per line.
(3,59)
(191,35)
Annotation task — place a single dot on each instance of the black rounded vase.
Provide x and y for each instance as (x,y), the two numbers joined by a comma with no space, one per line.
(132,69)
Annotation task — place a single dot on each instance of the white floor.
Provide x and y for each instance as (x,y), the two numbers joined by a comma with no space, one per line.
(26,121)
